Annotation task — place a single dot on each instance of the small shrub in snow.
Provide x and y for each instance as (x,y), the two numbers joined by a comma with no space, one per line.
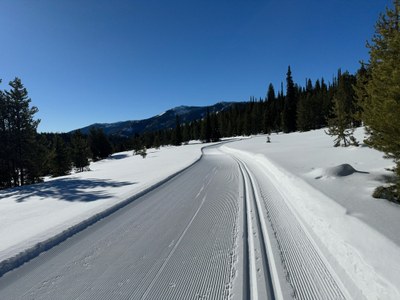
(143,152)
(389,193)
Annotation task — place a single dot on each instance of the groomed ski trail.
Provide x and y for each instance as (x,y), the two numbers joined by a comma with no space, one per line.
(306,270)
(176,242)
(260,278)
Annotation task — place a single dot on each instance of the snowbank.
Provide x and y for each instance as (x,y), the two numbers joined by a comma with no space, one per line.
(355,231)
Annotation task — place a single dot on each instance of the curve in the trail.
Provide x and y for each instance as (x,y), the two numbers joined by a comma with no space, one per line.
(176,242)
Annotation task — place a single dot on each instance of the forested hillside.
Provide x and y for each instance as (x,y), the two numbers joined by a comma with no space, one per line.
(26,155)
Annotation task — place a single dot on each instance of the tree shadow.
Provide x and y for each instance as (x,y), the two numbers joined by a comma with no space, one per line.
(67,189)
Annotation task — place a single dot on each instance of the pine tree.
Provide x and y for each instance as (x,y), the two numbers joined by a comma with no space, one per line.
(20,129)
(381,105)
(290,105)
(305,112)
(100,145)
(215,133)
(341,123)
(137,144)
(206,128)
(61,162)
(186,133)
(177,133)
(307,109)
(5,148)
(361,95)
(269,110)
(80,151)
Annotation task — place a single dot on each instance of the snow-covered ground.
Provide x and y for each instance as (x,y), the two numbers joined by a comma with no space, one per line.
(327,189)
(33,214)
(330,190)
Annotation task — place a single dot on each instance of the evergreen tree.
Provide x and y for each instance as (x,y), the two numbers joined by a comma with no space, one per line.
(248,118)
(270,93)
(177,134)
(326,97)
(5,149)
(290,105)
(341,124)
(269,110)
(206,128)
(305,112)
(381,103)
(100,145)
(40,161)
(137,144)
(148,139)
(61,162)
(215,133)
(80,151)
(19,134)
(157,142)
(361,94)
(308,108)
(196,130)
(186,133)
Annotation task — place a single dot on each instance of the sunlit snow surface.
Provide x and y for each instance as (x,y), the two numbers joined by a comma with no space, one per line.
(329,189)
(34,213)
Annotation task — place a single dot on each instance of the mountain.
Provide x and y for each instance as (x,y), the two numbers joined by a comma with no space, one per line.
(161,121)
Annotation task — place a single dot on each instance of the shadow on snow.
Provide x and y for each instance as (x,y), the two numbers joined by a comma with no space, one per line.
(67,189)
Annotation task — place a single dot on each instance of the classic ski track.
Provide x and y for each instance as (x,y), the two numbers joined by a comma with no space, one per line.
(306,271)
(206,273)
(258,281)
(145,294)
(195,263)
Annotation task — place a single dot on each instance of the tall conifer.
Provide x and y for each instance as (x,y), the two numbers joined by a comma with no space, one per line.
(80,151)
(21,131)
(381,105)
(177,133)
(290,105)
(341,124)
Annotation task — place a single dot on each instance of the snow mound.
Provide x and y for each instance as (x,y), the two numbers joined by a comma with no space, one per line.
(333,172)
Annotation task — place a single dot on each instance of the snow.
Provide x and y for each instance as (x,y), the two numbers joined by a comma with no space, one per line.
(330,190)
(327,190)
(33,214)
(175,242)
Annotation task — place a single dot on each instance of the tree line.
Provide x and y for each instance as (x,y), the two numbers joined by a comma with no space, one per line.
(26,156)
(371,97)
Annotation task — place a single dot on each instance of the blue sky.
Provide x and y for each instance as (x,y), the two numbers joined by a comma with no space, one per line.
(88,61)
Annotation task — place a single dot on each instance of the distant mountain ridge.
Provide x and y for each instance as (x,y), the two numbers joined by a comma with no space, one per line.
(162,121)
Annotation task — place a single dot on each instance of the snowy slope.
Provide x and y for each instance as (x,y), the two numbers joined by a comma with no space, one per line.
(33,214)
(357,233)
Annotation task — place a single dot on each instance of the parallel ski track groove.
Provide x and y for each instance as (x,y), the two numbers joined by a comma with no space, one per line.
(251,284)
(306,271)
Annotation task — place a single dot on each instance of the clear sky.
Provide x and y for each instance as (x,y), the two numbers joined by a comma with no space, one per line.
(88,61)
